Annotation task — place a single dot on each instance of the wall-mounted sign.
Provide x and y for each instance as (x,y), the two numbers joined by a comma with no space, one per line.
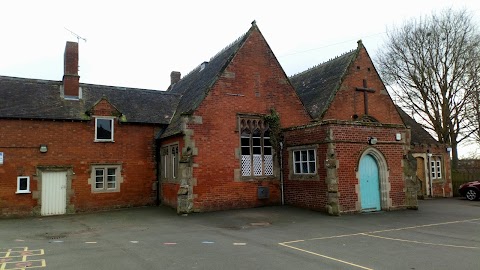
(1,157)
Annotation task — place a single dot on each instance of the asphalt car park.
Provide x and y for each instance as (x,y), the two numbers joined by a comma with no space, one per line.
(442,234)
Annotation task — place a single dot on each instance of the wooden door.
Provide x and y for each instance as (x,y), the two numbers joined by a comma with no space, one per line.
(369,184)
(54,193)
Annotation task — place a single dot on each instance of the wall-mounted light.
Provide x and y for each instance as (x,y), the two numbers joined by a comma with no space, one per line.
(43,148)
(449,149)
(372,140)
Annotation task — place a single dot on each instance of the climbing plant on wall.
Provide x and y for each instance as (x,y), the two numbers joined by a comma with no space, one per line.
(273,121)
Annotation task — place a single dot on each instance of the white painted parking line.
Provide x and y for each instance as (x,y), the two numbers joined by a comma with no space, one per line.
(417,242)
(326,257)
(426,225)
(371,234)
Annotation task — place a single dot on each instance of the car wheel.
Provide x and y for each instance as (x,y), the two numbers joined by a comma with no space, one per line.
(471,194)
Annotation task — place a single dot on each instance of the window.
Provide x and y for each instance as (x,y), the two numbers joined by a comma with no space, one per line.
(106,178)
(170,160)
(256,148)
(104,129)
(436,167)
(23,184)
(304,162)
(174,157)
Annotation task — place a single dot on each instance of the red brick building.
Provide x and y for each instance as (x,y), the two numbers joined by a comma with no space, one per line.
(432,159)
(235,132)
(219,131)
(67,146)
(358,141)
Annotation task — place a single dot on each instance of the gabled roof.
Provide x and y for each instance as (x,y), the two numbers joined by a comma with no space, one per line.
(41,99)
(418,134)
(195,86)
(317,86)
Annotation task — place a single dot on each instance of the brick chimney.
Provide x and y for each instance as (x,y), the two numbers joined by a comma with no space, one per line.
(71,88)
(175,77)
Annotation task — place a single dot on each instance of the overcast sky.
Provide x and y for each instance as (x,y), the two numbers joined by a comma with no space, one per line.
(138,43)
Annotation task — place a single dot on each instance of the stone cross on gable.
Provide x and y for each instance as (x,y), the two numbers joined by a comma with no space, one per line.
(365,91)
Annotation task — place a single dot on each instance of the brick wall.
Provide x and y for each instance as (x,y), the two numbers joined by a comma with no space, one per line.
(260,84)
(348,138)
(349,102)
(71,144)
(169,188)
(441,187)
(350,142)
(349,152)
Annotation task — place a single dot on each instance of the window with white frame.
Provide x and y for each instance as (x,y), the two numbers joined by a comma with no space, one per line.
(304,161)
(256,148)
(23,184)
(436,167)
(169,162)
(106,178)
(104,129)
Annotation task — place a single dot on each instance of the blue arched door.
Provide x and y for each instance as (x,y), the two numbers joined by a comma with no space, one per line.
(369,184)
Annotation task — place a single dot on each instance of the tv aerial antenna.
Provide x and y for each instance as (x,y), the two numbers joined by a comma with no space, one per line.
(77,36)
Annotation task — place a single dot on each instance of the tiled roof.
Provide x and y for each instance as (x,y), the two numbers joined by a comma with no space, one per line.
(418,133)
(195,85)
(317,86)
(40,99)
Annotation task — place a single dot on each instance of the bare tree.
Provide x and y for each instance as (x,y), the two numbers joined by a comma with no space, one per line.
(472,113)
(432,64)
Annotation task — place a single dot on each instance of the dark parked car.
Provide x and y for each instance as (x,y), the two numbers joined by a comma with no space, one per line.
(470,190)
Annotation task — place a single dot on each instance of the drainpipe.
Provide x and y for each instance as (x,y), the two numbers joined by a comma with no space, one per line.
(281,173)
(157,164)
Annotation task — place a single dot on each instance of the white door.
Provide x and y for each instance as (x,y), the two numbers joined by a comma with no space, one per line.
(54,193)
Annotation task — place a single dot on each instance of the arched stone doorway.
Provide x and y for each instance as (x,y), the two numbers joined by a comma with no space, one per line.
(373,185)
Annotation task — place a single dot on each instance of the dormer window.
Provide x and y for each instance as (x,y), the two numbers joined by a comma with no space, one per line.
(104,129)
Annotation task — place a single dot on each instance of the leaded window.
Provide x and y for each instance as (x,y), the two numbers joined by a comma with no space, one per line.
(256,148)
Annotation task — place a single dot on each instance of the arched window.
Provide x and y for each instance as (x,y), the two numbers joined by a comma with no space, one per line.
(256,148)
(169,160)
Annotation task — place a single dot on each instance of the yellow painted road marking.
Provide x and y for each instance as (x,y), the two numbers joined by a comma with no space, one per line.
(18,258)
(327,257)
(417,242)
(19,254)
(21,265)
